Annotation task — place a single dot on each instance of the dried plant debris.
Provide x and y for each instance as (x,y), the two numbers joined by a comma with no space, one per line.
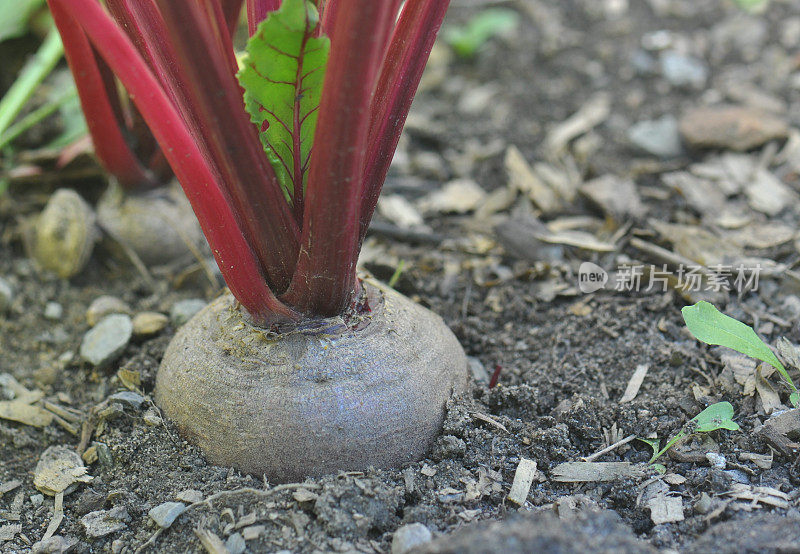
(579,472)
(60,470)
(523,478)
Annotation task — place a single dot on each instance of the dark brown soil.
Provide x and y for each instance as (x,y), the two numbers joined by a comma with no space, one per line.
(564,358)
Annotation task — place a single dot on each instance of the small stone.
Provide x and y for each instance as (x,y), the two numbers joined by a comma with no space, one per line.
(659,137)
(117,546)
(6,295)
(703,504)
(190,496)
(53,311)
(165,514)
(105,341)
(235,544)
(682,70)
(36,500)
(716,460)
(184,310)
(104,522)
(149,323)
(728,126)
(54,545)
(103,306)
(409,537)
(129,398)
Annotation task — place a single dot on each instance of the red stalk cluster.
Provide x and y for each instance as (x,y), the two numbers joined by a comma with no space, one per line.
(177,63)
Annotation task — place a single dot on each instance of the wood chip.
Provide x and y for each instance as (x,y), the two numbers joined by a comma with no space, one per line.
(523,479)
(767,194)
(9,486)
(58,515)
(781,431)
(759,495)
(22,412)
(634,383)
(617,197)
(770,400)
(665,509)
(591,114)
(521,177)
(211,542)
(764,461)
(582,472)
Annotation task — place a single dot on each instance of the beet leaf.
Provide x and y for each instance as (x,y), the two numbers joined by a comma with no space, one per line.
(282,76)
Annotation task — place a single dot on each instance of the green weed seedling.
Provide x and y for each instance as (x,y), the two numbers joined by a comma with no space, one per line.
(711,326)
(466,40)
(716,416)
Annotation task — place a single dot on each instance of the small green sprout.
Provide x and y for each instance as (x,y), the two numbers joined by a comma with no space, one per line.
(397,273)
(711,326)
(716,416)
(466,40)
(752,6)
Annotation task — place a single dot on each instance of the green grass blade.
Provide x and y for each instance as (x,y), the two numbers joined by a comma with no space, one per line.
(32,75)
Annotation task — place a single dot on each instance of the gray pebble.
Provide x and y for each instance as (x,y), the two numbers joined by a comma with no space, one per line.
(716,460)
(165,514)
(235,544)
(6,295)
(410,536)
(658,137)
(682,70)
(106,340)
(53,311)
(183,310)
(128,397)
(105,522)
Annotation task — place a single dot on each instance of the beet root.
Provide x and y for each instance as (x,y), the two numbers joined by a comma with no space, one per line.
(341,396)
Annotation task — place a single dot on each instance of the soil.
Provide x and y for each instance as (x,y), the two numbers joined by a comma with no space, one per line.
(563,360)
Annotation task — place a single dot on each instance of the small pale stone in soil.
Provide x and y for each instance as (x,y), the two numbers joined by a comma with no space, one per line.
(106,341)
(165,514)
(410,536)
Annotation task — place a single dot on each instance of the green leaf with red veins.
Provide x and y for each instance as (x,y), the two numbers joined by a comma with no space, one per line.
(282,76)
